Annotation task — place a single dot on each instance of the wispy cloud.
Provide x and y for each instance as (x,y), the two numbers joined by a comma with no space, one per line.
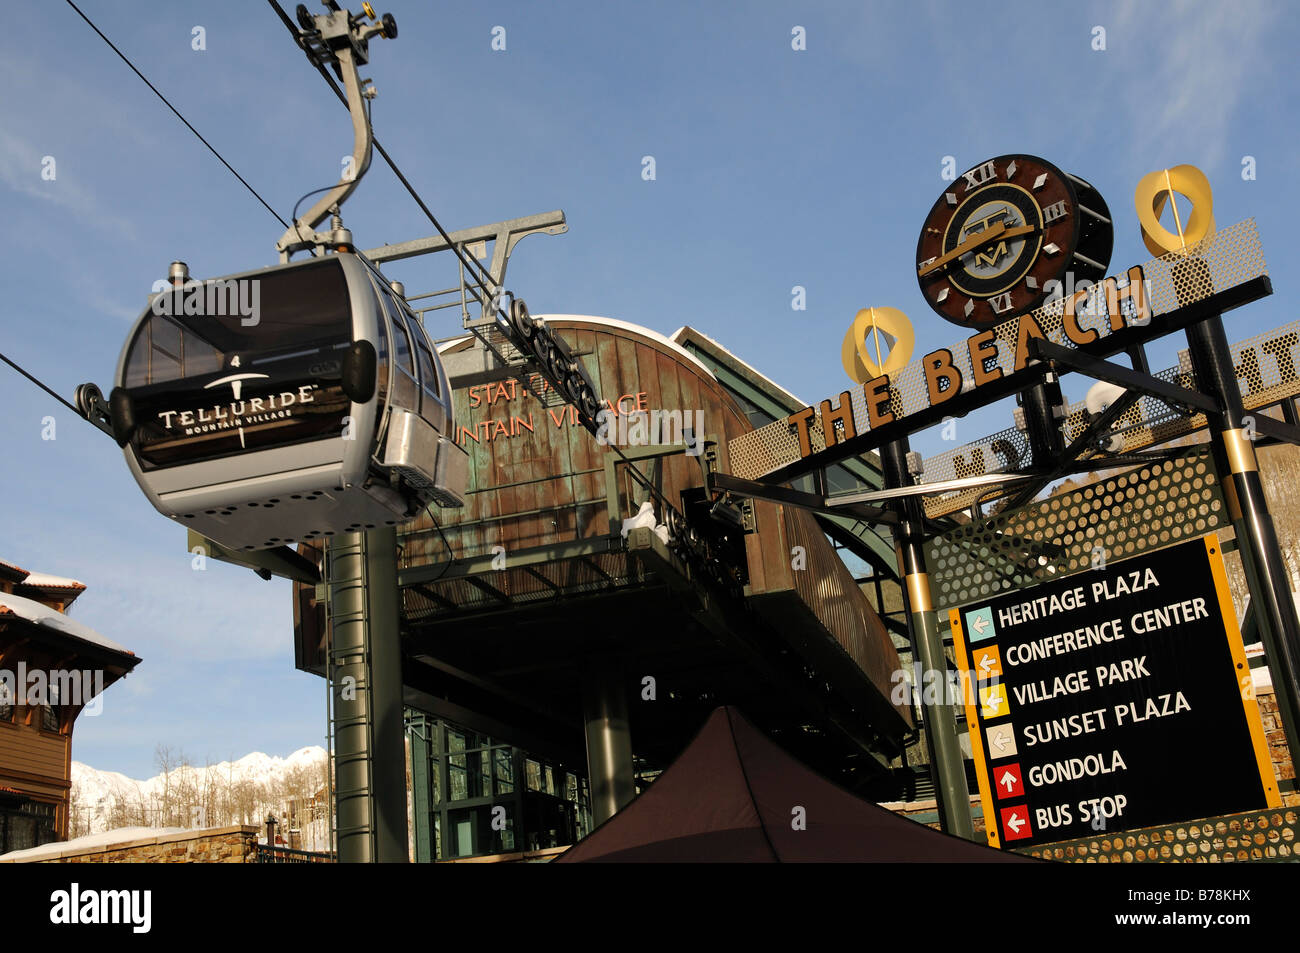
(93,294)
(21,165)
(1191,67)
(39,125)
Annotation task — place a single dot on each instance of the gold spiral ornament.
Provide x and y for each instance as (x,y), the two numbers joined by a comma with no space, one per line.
(1157,188)
(879,342)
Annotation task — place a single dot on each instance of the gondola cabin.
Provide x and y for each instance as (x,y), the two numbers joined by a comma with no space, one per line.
(285,404)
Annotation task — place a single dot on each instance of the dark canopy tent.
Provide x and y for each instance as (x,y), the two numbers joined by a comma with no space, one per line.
(731,796)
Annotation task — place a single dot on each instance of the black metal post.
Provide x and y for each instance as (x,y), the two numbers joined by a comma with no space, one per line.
(946,765)
(1138,357)
(1261,557)
(1289,412)
(1041,423)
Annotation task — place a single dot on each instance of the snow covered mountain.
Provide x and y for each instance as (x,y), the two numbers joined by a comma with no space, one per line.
(231,792)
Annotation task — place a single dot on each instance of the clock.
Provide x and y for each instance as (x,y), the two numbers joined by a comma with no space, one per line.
(1005,229)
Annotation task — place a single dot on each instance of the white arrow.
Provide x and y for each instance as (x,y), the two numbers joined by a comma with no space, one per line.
(1001,741)
(987,664)
(1015,823)
(994,700)
(980,624)
(1009,780)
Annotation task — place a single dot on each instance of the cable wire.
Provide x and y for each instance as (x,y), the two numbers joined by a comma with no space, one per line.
(188,126)
(168,104)
(37,382)
(476,269)
(480,273)
(451,553)
(211,149)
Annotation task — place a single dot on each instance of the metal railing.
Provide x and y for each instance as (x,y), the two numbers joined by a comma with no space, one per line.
(265,854)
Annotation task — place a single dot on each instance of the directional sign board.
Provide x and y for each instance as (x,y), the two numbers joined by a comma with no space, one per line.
(1112,699)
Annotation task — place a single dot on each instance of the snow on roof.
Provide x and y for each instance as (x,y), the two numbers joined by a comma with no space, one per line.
(452,342)
(48,618)
(677,335)
(122,835)
(635,329)
(655,336)
(45,581)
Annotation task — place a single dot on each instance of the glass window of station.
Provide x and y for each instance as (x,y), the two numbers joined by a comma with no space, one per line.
(483,796)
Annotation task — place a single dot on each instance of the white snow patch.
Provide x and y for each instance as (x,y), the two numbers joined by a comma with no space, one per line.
(45,579)
(49,618)
(101,798)
(121,835)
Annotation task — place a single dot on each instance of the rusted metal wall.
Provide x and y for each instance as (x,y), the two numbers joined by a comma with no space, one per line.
(553,475)
(790,537)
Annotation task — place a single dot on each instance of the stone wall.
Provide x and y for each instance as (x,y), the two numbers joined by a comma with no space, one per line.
(1277,747)
(927,812)
(221,845)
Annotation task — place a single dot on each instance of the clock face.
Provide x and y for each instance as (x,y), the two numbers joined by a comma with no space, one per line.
(1003,230)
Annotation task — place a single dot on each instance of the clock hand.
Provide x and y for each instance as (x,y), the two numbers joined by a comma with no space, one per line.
(978,240)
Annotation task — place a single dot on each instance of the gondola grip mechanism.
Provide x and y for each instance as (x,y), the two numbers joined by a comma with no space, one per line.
(91,405)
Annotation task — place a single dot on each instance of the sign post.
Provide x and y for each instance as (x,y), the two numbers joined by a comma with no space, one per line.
(1111,699)
(1261,558)
(946,766)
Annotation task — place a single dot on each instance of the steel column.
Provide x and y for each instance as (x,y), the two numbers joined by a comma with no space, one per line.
(1261,557)
(420,734)
(946,765)
(366,674)
(609,741)
(1041,423)
(1288,414)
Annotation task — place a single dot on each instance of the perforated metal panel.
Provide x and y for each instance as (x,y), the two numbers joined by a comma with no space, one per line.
(1253,836)
(1268,371)
(1227,258)
(1005,450)
(1223,259)
(1146,508)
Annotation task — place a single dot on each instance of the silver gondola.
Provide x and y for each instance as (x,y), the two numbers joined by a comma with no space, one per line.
(286,404)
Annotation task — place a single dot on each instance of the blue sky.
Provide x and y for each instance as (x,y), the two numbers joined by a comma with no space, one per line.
(774,168)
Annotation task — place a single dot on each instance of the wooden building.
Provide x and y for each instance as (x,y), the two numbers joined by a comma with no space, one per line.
(52,669)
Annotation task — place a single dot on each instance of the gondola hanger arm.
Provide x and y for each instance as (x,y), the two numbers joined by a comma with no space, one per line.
(342,40)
